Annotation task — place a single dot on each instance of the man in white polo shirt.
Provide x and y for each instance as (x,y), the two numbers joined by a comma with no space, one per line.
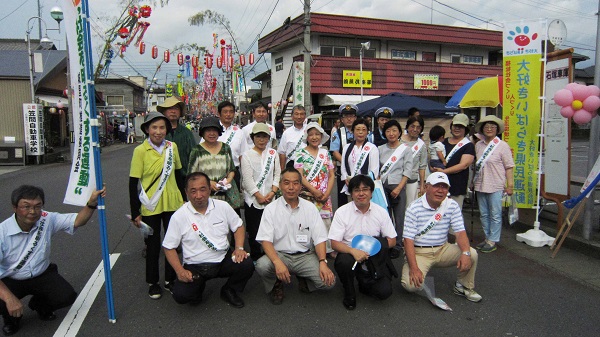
(426,226)
(260,113)
(293,237)
(201,226)
(292,139)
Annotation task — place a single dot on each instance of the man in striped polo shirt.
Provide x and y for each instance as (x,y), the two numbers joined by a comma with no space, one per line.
(426,226)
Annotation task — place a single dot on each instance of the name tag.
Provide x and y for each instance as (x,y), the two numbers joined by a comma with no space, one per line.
(302,238)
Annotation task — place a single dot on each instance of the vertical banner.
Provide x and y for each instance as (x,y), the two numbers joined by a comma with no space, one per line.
(522,48)
(33,121)
(298,83)
(82,180)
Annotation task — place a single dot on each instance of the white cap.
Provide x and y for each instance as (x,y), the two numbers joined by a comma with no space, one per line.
(437,178)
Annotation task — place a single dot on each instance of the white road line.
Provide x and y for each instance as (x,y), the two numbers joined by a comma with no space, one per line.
(76,315)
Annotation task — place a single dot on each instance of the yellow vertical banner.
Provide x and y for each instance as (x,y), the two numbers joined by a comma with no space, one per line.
(522,49)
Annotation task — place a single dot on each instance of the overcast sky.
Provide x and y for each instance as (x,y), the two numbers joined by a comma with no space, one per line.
(169,25)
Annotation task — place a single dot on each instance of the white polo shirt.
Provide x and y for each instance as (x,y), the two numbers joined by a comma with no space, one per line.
(248,130)
(349,221)
(234,137)
(203,237)
(292,230)
(291,141)
(418,215)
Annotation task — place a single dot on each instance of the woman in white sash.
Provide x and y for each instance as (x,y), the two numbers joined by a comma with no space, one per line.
(318,173)
(156,167)
(359,156)
(260,181)
(460,153)
(396,162)
(493,177)
(416,182)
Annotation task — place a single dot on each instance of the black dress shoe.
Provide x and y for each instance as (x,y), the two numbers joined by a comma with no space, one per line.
(11,326)
(349,303)
(230,296)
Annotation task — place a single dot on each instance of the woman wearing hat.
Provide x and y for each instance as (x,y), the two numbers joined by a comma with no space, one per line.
(492,177)
(174,109)
(359,156)
(214,158)
(396,162)
(318,172)
(460,153)
(416,182)
(260,180)
(155,166)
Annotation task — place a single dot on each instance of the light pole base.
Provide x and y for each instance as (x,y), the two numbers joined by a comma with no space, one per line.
(535,237)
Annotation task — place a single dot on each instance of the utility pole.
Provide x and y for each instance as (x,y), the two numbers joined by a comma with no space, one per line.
(307,58)
(594,141)
(39,21)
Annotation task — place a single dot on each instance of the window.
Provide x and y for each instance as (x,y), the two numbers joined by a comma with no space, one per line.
(473,59)
(428,56)
(114,100)
(404,54)
(333,51)
(367,53)
(455,58)
(279,64)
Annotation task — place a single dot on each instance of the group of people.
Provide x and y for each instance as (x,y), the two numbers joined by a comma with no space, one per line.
(192,191)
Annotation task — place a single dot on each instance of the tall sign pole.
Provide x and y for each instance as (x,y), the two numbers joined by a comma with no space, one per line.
(307,58)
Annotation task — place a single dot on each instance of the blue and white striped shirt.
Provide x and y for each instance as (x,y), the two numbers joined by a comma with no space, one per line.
(419,213)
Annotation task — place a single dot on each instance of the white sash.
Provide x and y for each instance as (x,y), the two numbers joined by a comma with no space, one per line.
(362,156)
(458,146)
(343,139)
(289,155)
(31,246)
(418,145)
(487,153)
(203,237)
(392,160)
(435,218)
(230,138)
(316,167)
(268,163)
(150,203)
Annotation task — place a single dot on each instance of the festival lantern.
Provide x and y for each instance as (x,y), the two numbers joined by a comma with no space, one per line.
(231,62)
(167,56)
(142,47)
(145,11)
(133,11)
(242,60)
(194,61)
(180,59)
(251,58)
(209,61)
(154,52)
(219,62)
(123,32)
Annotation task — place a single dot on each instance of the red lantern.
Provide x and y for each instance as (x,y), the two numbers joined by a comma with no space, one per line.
(145,11)
(231,61)
(167,56)
(223,54)
(219,62)
(123,32)
(154,52)
(194,61)
(180,59)
(242,60)
(209,61)
(222,42)
(251,58)
(142,47)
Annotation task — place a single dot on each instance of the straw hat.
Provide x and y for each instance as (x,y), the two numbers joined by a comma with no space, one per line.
(170,102)
(492,119)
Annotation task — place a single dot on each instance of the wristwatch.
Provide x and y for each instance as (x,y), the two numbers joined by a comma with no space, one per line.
(240,248)
(467,253)
(323,260)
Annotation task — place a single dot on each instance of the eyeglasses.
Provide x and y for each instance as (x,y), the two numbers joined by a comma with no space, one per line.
(361,190)
(31,208)
(490,126)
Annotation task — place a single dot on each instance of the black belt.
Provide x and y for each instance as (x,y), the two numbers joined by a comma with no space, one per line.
(428,246)
(298,253)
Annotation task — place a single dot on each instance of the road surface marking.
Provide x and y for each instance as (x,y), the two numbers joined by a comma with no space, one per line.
(76,315)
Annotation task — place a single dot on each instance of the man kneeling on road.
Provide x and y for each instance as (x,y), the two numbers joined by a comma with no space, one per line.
(201,226)
(361,216)
(290,228)
(426,226)
(25,268)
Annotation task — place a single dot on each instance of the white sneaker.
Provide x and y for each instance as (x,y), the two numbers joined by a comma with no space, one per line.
(470,294)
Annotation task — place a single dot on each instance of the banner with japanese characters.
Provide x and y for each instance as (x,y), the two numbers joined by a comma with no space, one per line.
(82,179)
(299,83)
(522,65)
(33,120)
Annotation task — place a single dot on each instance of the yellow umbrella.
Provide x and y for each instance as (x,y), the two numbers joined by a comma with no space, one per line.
(481,92)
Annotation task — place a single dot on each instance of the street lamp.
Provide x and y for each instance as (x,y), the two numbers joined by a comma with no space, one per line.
(363,46)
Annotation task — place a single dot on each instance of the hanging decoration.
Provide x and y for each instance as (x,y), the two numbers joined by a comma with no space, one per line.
(188,61)
(167,56)
(242,60)
(154,52)
(579,102)
(180,85)
(142,48)
(180,59)
(219,62)
(251,58)
(169,90)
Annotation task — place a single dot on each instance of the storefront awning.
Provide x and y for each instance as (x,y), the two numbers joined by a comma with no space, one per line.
(338,100)
(48,100)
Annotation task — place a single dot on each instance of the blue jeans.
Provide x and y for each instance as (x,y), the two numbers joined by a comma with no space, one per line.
(490,209)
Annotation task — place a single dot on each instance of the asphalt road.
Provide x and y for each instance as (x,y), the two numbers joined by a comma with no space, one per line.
(520,297)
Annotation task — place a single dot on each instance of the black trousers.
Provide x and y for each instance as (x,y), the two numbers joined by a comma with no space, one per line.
(50,291)
(238,275)
(154,246)
(380,289)
(342,197)
(253,216)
